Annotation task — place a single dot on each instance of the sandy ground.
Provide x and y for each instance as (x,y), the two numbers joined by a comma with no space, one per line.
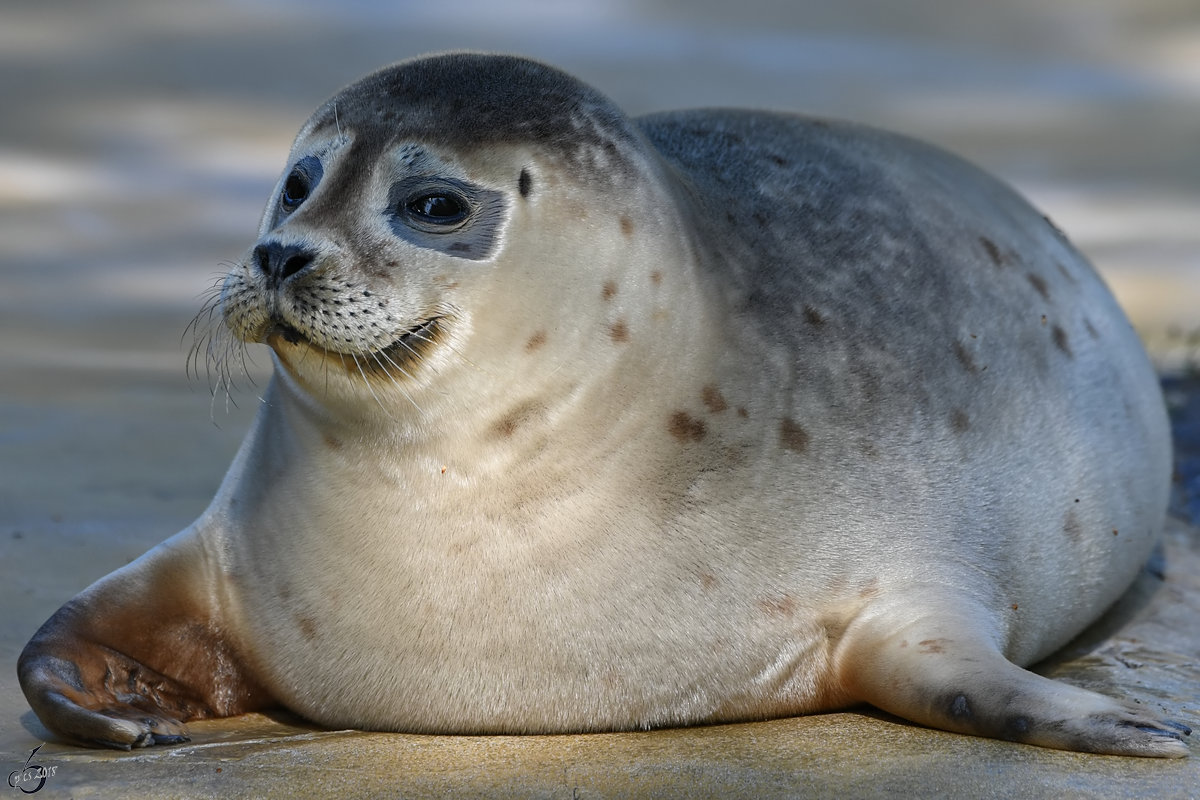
(140,139)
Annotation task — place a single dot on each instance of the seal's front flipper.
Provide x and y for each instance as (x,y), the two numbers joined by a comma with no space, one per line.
(139,652)
(944,670)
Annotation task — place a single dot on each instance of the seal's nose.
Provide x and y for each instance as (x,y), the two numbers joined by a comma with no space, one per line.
(280,262)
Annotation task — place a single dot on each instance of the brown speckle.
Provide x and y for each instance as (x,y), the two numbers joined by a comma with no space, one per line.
(870,590)
(933,646)
(792,436)
(608,291)
(743,413)
(1015,606)
(332,442)
(783,606)
(813,317)
(656,278)
(964,357)
(1043,319)
(1060,340)
(1038,283)
(619,331)
(307,626)
(960,421)
(537,340)
(992,250)
(713,400)
(1114,531)
(708,581)
(1071,526)
(516,417)
(684,427)
(626,225)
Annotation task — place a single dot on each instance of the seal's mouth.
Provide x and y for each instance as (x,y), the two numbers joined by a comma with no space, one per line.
(396,359)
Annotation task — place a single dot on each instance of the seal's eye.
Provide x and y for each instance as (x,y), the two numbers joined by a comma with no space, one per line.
(300,182)
(295,190)
(443,208)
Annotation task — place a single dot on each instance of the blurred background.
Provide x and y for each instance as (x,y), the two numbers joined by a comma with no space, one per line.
(140,138)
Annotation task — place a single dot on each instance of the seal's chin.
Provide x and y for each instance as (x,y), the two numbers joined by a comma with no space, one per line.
(398,359)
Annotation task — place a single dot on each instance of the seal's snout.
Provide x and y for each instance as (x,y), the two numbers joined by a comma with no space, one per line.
(279,262)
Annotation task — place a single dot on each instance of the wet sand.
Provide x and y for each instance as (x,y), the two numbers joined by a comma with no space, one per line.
(142,139)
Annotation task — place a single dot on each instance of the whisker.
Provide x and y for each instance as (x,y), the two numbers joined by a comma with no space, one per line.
(371,389)
(392,377)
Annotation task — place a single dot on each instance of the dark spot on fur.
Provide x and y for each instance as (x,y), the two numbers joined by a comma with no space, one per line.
(537,340)
(1091,329)
(813,317)
(516,418)
(1115,533)
(1015,728)
(332,442)
(783,606)
(1066,273)
(626,226)
(708,581)
(992,250)
(308,627)
(960,709)
(608,291)
(619,331)
(685,427)
(932,646)
(1071,526)
(964,357)
(713,400)
(792,436)
(656,278)
(960,421)
(1038,283)
(1060,340)
(743,413)
(525,183)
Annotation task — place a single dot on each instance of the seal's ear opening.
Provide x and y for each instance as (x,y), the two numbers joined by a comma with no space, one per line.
(525,182)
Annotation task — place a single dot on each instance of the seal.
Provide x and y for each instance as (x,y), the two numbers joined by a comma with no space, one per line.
(588,423)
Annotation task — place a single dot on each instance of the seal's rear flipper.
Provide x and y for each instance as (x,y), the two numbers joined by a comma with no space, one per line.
(135,655)
(944,671)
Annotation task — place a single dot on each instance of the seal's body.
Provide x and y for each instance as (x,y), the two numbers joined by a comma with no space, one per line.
(582,423)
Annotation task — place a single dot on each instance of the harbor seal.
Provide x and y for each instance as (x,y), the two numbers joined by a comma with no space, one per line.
(588,423)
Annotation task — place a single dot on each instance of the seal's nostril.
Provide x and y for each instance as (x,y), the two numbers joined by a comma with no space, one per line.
(294,264)
(281,262)
(262,257)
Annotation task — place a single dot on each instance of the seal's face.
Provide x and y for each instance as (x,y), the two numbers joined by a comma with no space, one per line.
(359,255)
(412,210)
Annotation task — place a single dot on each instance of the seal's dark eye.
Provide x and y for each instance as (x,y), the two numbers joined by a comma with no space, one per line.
(295,190)
(438,209)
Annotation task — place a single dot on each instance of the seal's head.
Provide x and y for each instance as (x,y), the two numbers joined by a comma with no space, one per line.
(427,198)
